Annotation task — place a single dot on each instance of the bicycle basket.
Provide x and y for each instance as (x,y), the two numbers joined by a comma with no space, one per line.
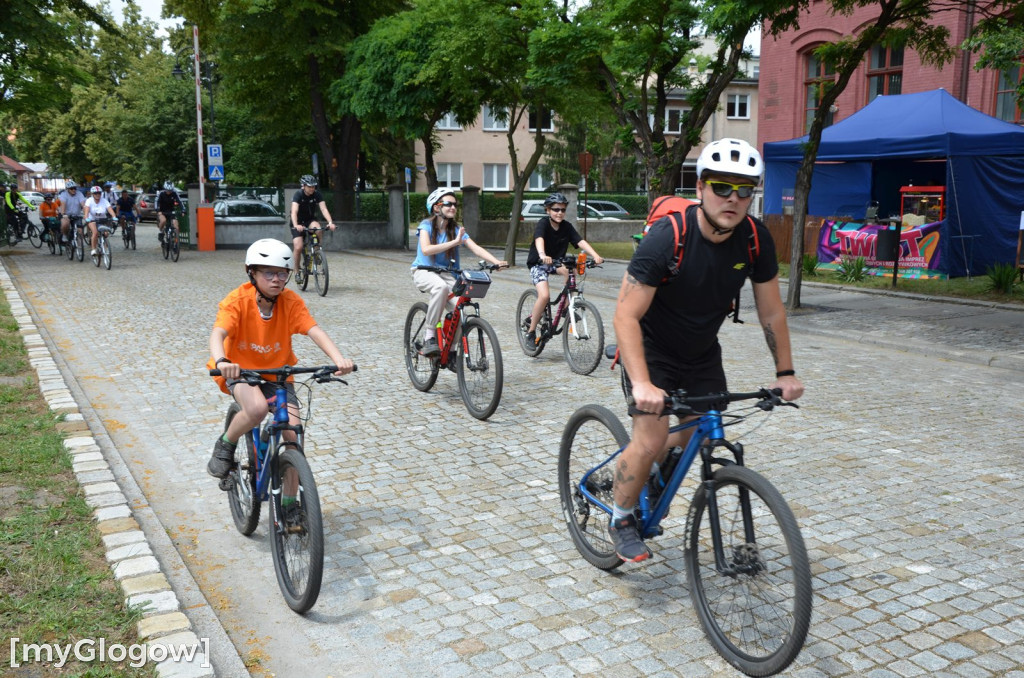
(472,284)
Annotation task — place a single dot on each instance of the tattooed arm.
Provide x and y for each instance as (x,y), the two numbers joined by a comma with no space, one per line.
(772,314)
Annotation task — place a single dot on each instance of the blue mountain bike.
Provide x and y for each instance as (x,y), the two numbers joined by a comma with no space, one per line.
(265,464)
(749,576)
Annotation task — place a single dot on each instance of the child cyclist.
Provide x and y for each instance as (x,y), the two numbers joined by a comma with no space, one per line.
(438,238)
(551,240)
(253,330)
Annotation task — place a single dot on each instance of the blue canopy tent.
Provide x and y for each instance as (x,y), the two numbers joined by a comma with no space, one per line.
(922,138)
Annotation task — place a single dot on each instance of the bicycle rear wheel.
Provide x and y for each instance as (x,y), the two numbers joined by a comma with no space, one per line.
(757,614)
(35,236)
(298,546)
(592,435)
(422,370)
(479,368)
(320,272)
(302,270)
(245,506)
(524,313)
(584,344)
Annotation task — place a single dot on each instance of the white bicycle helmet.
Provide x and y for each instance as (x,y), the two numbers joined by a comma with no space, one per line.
(168,186)
(70,184)
(269,252)
(435,197)
(730,156)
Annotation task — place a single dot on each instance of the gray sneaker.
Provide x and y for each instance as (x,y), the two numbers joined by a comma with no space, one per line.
(222,460)
(626,538)
(430,348)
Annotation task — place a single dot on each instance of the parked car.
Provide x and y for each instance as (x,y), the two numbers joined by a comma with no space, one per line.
(534,209)
(609,208)
(246,212)
(146,204)
(33,197)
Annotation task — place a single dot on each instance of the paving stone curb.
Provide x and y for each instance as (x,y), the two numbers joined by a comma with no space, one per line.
(129,554)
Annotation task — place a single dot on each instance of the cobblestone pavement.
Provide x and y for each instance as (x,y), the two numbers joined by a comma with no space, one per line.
(446,551)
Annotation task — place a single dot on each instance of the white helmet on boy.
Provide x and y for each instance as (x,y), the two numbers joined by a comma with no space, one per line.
(269,252)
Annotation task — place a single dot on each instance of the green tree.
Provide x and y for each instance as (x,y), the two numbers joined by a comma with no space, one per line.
(908,23)
(999,39)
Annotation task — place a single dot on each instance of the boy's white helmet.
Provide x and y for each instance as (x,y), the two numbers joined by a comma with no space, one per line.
(269,252)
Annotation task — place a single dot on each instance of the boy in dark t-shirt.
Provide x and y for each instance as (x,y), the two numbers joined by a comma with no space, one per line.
(551,240)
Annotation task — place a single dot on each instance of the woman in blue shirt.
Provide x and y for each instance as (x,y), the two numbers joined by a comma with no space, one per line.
(437,244)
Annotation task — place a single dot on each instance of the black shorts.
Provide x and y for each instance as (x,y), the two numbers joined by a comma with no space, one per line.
(698,376)
(302,222)
(269,390)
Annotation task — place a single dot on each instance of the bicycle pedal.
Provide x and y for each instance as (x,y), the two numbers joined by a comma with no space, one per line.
(226,484)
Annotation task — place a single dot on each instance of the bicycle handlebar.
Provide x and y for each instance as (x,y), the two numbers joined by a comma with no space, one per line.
(321,374)
(569,261)
(679,403)
(483,266)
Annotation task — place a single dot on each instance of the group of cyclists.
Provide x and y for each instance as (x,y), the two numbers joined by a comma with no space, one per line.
(677,291)
(72,208)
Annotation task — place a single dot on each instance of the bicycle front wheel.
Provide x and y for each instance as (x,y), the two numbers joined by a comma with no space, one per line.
(320,274)
(69,247)
(479,368)
(51,242)
(589,441)
(524,313)
(756,613)
(245,506)
(123,223)
(105,253)
(80,248)
(297,537)
(165,244)
(422,370)
(97,258)
(35,236)
(583,340)
(175,246)
(131,235)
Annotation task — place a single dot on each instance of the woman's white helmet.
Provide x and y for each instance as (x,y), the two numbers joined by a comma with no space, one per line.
(730,156)
(435,197)
(269,252)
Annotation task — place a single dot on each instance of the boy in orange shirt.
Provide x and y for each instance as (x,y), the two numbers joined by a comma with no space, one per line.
(49,210)
(253,331)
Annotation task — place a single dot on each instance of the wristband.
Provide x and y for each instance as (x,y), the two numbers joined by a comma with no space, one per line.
(218,361)
(785,373)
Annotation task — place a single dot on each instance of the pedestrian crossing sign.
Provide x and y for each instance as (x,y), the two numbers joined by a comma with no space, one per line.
(216,173)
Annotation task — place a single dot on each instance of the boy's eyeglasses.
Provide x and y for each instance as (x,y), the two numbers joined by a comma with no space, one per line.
(557,209)
(449,204)
(272,275)
(723,189)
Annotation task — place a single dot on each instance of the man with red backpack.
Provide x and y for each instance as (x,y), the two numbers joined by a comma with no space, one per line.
(679,287)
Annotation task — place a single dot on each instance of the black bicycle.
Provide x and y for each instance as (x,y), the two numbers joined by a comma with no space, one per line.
(169,241)
(127,231)
(749,575)
(76,242)
(313,263)
(265,464)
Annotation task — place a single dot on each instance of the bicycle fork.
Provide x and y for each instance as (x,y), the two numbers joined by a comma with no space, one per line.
(745,559)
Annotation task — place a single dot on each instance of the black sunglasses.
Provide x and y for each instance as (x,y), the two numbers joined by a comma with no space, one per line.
(557,209)
(449,204)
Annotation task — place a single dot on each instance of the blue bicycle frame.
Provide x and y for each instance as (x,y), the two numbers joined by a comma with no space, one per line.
(279,424)
(709,431)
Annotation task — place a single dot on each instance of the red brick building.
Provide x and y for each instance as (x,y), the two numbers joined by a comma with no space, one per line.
(789,72)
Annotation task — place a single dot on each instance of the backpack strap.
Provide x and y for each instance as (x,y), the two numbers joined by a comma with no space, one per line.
(679,243)
(753,249)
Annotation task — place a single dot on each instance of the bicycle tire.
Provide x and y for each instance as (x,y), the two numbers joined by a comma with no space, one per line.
(245,506)
(302,271)
(756,620)
(479,368)
(524,314)
(51,242)
(583,349)
(125,237)
(299,554)
(80,248)
(105,253)
(590,437)
(175,246)
(320,273)
(70,246)
(165,245)
(34,235)
(422,370)
(133,236)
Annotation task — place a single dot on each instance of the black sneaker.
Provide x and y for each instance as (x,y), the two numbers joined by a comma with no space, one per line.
(531,338)
(430,348)
(294,517)
(626,539)
(222,460)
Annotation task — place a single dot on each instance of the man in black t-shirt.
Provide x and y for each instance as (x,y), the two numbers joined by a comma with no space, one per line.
(167,205)
(551,240)
(305,202)
(667,331)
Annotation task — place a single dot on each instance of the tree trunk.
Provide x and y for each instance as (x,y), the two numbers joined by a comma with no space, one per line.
(521,178)
(430,173)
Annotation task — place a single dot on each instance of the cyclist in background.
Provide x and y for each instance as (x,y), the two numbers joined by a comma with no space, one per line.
(14,217)
(167,205)
(108,193)
(253,330)
(437,244)
(96,209)
(551,239)
(667,322)
(305,202)
(125,207)
(49,210)
(72,204)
